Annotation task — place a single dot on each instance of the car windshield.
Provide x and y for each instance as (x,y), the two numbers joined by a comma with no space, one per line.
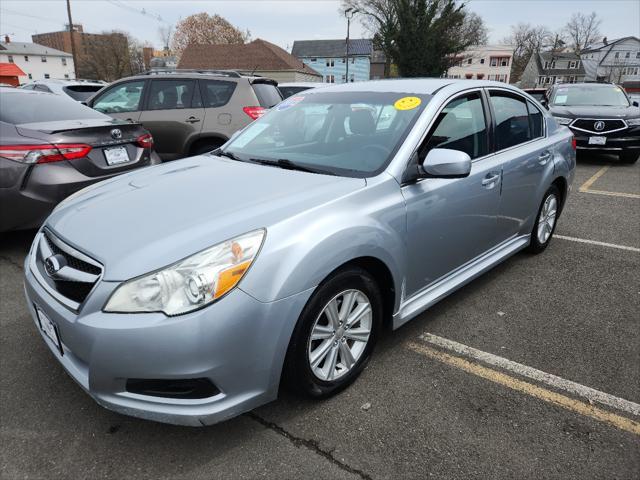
(590,95)
(24,107)
(344,133)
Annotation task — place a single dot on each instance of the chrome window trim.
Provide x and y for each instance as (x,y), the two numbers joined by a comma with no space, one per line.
(67,302)
(593,132)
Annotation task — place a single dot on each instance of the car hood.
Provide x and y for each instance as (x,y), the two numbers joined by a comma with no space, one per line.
(150,218)
(594,112)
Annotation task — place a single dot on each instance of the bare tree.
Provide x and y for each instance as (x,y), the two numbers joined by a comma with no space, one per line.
(165,32)
(582,30)
(205,29)
(107,57)
(527,40)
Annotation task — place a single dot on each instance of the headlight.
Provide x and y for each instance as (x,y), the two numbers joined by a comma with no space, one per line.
(633,122)
(563,120)
(191,283)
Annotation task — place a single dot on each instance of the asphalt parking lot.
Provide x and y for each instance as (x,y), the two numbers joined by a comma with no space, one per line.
(426,407)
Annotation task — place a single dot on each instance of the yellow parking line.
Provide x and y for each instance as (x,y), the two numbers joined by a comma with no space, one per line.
(585,186)
(540,393)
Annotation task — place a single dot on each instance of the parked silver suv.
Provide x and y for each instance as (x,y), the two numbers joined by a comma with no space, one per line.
(188,112)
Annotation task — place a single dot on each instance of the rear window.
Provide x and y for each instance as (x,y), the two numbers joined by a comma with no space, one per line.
(81,92)
(268,94)
(288,91)
(24,107)
(216,93)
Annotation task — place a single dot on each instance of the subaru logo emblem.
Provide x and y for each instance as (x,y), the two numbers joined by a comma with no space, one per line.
(598,126)
(116,133)
(54,264)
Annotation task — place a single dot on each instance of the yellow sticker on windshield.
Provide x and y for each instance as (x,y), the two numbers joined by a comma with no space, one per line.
(407,103)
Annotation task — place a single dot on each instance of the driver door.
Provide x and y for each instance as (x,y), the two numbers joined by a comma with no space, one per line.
(452,221)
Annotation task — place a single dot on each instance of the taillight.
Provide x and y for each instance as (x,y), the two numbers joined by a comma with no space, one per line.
(145,141)
(44,153)
(574,143)
(254,112)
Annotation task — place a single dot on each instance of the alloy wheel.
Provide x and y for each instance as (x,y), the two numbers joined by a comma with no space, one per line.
(547,218)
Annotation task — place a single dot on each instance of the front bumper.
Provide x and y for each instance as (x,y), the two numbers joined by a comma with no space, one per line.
(238,343)
(627,140)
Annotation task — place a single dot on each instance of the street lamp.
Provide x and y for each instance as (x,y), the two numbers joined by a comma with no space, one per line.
(348,13)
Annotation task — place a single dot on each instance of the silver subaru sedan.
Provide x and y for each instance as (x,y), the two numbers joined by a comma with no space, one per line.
(189,292)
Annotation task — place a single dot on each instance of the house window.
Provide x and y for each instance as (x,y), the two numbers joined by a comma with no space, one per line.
(344,78)
(352,77)
(343,60)
(66,75)
(314,59)
(30,77)
(64,62)
(353,59)
(46,75)
(572,64)
(330,79)
(617,55)
(541,80)
(482,61)
(26,58)
(330,62)
(638,54)
(627,55)
(469,61)
(43,59)
(572,79)
(10,58)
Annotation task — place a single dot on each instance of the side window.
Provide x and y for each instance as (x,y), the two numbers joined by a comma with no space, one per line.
(460,126)
(216,93)
(42,88)
(537,120)
(170,94)
(121,98)
(512,120)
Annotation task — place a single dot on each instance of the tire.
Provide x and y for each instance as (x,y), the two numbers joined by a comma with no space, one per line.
(547,213)
(629,157)
(320,380)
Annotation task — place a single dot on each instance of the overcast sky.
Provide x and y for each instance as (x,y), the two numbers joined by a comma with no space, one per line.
(284,21)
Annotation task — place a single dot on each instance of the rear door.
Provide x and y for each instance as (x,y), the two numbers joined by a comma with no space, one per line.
(173,113)
(122,100)
(222,117)
(526,156)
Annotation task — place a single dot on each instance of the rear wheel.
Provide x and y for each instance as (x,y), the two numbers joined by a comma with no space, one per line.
(629,156)
(335,335)
(545,221)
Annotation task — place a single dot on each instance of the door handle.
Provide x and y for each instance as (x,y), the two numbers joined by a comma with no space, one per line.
(544,158)
(490,180)
(192,120)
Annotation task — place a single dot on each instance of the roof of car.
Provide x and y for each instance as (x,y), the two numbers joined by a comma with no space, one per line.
(65,82)
(581,84)
(187,73)
(425,86)
(302,84)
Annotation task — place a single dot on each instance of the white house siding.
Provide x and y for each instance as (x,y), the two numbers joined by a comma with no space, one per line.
(32,64)
(476,62)
(335,68)
(616,62)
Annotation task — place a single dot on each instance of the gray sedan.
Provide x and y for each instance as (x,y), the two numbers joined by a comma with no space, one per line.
(188,293)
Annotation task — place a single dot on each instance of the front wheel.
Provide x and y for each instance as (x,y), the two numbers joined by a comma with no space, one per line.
(335,335)
(546,221)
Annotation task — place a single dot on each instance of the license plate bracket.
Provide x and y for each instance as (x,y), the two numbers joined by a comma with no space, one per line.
(116,155)
(597,140)
(49,328)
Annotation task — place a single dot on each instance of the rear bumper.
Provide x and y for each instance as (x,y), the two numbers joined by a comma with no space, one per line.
(238,343)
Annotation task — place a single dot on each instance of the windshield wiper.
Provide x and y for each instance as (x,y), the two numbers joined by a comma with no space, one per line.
(289,165)
(222,153)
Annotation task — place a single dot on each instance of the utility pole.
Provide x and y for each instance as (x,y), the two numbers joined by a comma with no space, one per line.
(73,43)
(348,13)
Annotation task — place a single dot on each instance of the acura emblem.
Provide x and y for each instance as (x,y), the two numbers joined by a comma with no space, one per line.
(54,263)
(598,126)
(116,133)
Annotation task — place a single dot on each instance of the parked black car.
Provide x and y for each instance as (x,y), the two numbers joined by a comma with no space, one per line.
(51,147)
(600,115)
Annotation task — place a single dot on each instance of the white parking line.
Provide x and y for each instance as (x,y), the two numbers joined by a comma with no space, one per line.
(595,242)
(590,394)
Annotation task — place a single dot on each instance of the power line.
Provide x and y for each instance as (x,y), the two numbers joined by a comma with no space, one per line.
(146,13)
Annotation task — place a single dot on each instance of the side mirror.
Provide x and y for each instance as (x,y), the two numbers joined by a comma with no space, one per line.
(544,103)
(446,163)
(635,104)
(84,103)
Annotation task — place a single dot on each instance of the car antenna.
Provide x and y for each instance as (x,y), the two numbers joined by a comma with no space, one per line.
(254,70)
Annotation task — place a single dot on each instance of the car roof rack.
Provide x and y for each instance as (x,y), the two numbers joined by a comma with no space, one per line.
(162,71)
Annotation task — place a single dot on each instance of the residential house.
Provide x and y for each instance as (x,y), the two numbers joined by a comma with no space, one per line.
(329,58)
(486,62)
(99,55)
(22,62)
(258,57)
(546,68)
(613,61)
